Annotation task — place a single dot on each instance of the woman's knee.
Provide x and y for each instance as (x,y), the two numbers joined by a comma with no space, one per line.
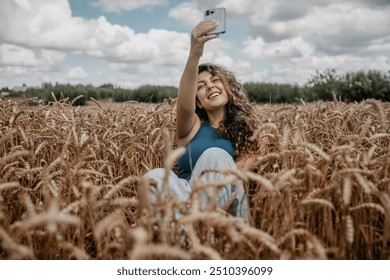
(179,188)
(216,158)
(157,173)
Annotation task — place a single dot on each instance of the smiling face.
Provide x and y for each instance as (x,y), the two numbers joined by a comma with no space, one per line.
(211,93)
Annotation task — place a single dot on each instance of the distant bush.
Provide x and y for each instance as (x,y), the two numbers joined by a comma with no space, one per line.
(351,86)
(273,93)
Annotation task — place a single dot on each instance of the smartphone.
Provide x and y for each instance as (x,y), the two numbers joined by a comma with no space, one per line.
(219,16)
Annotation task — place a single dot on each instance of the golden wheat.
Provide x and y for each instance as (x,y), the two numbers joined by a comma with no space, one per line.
(72,184)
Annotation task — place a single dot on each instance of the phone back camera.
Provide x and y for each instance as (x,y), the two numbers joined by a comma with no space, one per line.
(208,12)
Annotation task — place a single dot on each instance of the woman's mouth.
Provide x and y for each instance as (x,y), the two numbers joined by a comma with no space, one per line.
(214,95)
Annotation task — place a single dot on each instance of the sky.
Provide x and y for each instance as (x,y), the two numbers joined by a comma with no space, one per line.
(129,43)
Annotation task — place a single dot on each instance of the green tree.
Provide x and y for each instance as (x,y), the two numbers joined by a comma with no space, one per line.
(322,84)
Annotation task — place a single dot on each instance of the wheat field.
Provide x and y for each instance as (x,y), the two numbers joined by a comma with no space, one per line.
(72,185)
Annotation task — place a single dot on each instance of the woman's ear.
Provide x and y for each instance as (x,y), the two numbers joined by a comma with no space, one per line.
(197,102)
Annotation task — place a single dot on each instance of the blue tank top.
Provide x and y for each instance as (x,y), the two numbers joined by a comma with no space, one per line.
(204,139)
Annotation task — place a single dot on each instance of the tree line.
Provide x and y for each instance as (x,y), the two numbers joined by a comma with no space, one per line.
(348,87)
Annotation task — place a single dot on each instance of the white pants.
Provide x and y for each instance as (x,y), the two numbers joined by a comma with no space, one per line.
(211,159)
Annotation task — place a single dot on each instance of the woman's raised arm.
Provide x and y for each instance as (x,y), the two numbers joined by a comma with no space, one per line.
(185,114)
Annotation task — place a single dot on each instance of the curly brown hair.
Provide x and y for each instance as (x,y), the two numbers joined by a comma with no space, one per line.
(240,119)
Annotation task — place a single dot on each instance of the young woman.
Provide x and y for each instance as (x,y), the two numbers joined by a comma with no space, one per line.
(214,122)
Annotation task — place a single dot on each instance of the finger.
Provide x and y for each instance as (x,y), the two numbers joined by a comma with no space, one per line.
(210,25)
(210,37)
(204,27)
(198,34)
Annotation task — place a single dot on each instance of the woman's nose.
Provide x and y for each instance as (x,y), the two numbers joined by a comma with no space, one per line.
(210,85)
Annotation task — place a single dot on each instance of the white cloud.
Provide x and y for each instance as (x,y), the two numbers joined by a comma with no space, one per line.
(76,73)
(187,12)
(299,70)
(293,47)
(25,4)
(14,55)
(289,41)
(12,71)
(51,25)
(127,5)
(380,46)
(342,63)
(281,40)
(47,30)
(52,57)
(334,27)
(117,66)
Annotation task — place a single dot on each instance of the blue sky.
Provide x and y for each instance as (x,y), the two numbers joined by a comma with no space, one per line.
(130,43)
(142,19)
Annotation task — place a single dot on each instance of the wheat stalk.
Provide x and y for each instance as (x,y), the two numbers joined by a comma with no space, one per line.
(64,170)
